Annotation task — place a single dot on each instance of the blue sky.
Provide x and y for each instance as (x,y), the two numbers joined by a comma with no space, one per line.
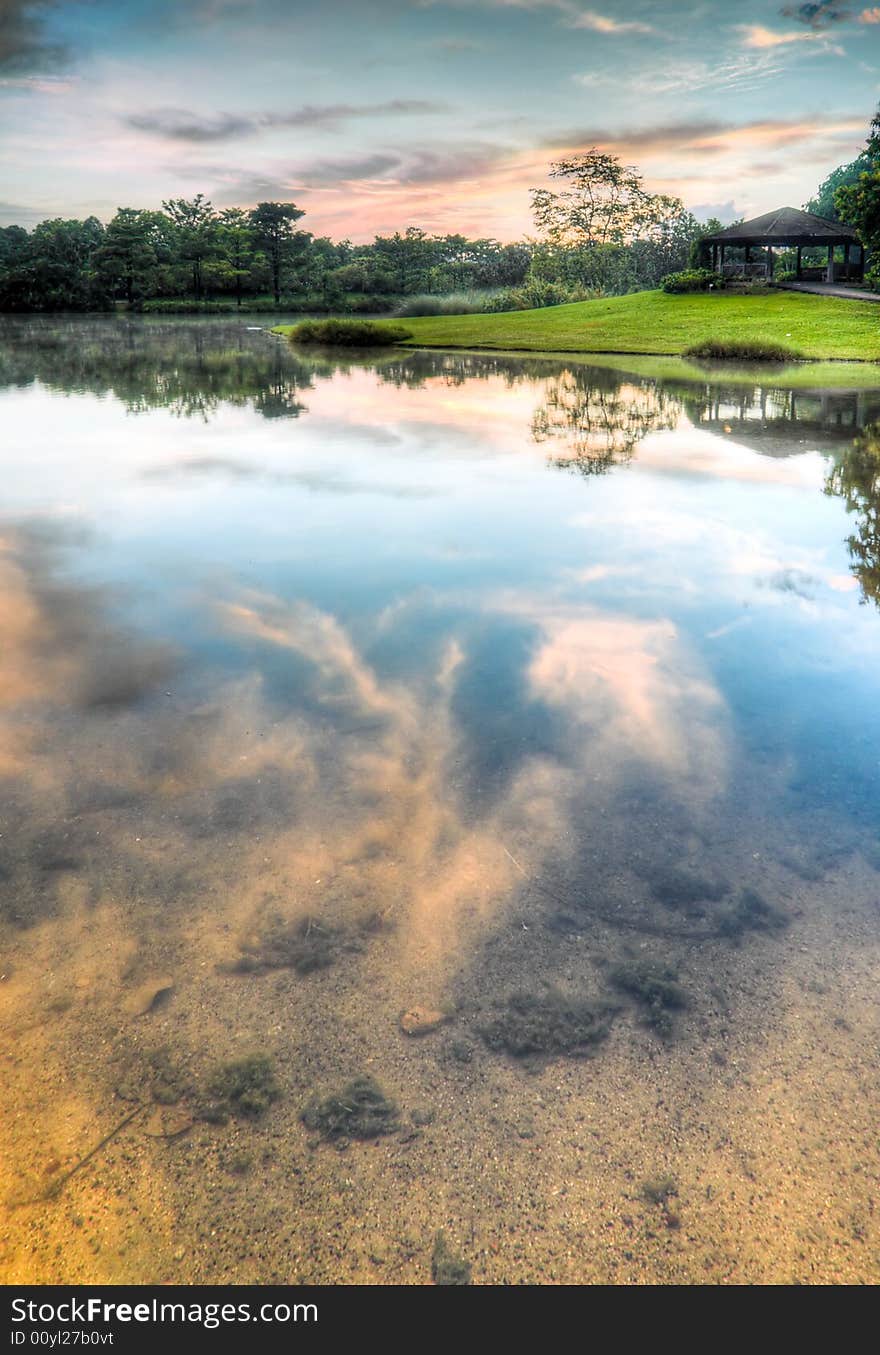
(376,114)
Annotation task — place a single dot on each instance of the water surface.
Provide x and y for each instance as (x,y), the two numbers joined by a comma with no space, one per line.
(536,696)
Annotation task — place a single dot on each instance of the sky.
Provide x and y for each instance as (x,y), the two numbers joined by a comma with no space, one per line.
(373,115)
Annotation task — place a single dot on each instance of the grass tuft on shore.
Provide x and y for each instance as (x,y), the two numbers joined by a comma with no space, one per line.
(345,333)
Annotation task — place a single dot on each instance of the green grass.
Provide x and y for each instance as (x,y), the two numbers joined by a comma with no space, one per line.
(345,333)
(799,376)
(657,323)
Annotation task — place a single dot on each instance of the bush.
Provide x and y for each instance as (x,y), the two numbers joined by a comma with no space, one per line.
(348,333)
(692,280)
(743,350)
(455,303)
(534,294)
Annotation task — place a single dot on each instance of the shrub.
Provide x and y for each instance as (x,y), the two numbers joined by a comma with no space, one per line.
(535,294)
(456,303)
(743,350)
(348,333)
(692,280)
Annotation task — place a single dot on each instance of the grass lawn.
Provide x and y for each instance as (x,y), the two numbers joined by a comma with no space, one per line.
(655,322)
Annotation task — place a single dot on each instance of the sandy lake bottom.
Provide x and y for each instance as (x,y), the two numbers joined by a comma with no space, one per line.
(439,797)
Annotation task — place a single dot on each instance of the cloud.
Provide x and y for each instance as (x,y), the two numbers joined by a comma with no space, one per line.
(24,47)
(389,169)
(182,125)
(817,16)
(707,136)
(237,469)
(16,214)
(757,36)
(741,72)
(602,23)
(572,16)
(679,135)
(725,212)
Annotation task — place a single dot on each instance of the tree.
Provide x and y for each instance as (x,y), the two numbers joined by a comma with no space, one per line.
(130,250)
(272,224)
(857,202)
(663,244)
(604,202)
(235,246)
(60,263)
(700,252)
(14,271)
(855,478)
(823,203)
(409,257)
(195,228)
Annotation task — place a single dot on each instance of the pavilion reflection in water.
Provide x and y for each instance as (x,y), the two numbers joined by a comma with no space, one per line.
(783,422)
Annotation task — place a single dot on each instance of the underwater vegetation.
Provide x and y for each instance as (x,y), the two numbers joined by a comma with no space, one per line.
(244,1087)
(751,913)
(361,1110)
(304,946)
(446,1266)
(662,1190)
(659,1189)
(530,1025)
(676,888)
(656,990)
(168,1083)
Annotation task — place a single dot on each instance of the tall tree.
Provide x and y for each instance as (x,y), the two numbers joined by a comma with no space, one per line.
(61,255)
(235,242)
(130,250)
(603,202)
(409,257)
(823,203)
(273,229)
(857,203)
(195,227)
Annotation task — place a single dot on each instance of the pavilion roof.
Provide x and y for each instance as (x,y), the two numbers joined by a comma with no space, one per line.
(786,226)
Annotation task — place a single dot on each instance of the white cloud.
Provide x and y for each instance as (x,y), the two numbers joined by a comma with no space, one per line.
(601,23)
(757,36)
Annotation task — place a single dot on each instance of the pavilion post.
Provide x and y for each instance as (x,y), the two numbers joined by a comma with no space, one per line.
(829,276)
(721,261)
(799,248)
(770,262)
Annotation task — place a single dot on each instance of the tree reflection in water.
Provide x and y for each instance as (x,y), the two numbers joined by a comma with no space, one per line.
(855,478)
(190,370)
(600,418)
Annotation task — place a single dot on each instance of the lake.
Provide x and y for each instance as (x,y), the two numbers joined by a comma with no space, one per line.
(439,801)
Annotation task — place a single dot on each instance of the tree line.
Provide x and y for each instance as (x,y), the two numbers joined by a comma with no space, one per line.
(190,255)
(599,230)
(190,252)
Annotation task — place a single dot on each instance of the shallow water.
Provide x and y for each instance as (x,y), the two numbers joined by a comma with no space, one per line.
(540,697)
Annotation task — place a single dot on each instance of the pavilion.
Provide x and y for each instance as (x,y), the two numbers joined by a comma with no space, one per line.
(788,228)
